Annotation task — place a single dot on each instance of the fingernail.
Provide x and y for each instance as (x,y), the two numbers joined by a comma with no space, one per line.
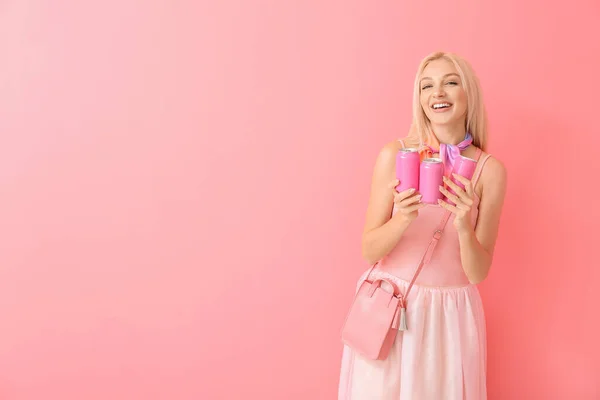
(411,190)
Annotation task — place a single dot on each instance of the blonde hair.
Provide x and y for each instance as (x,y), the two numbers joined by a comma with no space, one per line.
(476,120)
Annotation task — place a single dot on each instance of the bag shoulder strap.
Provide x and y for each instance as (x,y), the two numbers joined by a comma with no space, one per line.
(437,235)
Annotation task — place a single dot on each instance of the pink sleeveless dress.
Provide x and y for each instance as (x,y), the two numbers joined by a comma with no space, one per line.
(442,355)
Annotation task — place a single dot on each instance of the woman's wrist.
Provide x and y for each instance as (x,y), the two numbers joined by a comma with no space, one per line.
(466,233)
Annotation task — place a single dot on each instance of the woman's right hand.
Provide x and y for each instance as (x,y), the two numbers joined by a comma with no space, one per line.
(407,203)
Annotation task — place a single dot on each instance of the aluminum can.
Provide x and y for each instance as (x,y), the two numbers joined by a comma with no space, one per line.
(431,178)
(465,167)
(407,169)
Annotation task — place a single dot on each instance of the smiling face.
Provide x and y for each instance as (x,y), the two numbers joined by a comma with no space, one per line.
(442,94)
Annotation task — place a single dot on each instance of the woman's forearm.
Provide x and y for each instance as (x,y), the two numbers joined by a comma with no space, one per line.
(378,242)
(476,261)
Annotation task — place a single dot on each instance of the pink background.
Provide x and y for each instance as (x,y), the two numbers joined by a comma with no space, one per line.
(183,187)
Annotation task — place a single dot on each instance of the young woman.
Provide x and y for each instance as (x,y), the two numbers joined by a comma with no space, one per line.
(442,354)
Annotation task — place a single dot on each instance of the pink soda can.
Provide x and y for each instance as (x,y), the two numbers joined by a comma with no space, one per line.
(407,169)
(464,167)
(431,178)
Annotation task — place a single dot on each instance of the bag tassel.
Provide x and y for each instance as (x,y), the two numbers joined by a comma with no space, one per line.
(403,319)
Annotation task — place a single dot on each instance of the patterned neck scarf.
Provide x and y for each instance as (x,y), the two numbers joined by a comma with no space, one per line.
(448,152)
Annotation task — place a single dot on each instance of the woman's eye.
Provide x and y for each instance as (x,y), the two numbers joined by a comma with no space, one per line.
(452,83)
(425,87)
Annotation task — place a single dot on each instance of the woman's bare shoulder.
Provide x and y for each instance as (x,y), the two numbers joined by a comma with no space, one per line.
(389,150)
(386,160)
(493,176)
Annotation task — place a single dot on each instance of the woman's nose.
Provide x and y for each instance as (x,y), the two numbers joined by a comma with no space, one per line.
(439,92)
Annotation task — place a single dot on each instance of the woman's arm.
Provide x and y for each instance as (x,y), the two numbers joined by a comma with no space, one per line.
(382,231)
(477,246)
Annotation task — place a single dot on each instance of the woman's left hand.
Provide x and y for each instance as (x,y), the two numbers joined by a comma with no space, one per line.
(463,200)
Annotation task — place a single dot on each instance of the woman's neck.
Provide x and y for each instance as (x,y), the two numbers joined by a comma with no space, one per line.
(449,134)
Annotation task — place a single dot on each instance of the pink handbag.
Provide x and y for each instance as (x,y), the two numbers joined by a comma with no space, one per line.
(376,315)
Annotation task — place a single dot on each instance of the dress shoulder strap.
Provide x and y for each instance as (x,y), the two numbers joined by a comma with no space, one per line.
(478,172)
(402,143)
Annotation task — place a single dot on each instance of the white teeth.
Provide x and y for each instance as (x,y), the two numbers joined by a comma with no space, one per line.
(440,105)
